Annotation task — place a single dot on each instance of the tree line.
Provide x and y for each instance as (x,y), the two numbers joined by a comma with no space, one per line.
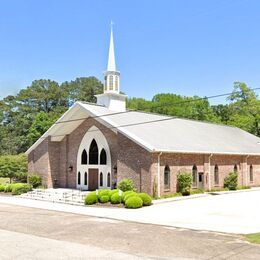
(26,116)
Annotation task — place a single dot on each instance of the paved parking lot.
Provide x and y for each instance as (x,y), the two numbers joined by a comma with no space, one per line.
(29,233)
(237,213)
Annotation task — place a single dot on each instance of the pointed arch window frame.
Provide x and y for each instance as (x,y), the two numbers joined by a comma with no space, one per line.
(167,177)
(194,175)
(251,173)
(216,175)
(103,157)
(84,157)
(93,155)
(101,179)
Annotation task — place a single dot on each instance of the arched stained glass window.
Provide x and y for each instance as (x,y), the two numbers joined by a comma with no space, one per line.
(103,157)
(84,157)
(166,177)
(216,175)
(101,179)
(251,173)
(109,180)
(93,152)
(194,175)
(79,178)
(86,178)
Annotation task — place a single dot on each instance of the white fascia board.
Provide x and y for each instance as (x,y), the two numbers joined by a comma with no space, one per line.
(203,152)
(52,128)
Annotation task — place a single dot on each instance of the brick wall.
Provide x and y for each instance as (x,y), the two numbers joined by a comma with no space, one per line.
(52,160)
(134,162)
(206,164)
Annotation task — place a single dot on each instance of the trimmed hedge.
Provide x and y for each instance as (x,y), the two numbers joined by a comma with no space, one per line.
(116,199)
(2,188)
(91,198)
(126,193)
(134,202)
(147,200)
(104,199)
(8,188)
(16,188)
(102,193)
(20,188)
(112,192)
(130,195)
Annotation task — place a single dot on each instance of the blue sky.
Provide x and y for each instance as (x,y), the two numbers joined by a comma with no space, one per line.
(186,47)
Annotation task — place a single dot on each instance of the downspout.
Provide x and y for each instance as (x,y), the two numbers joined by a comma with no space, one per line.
(246,172)
(210,171)
(159,176)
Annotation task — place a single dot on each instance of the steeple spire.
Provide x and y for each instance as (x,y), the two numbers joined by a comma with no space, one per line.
(111,65)
(112,98)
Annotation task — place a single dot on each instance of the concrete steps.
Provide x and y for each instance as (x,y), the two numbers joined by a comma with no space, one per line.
(66,196)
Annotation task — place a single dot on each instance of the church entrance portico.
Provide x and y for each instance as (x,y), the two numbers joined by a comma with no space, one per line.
(93,161)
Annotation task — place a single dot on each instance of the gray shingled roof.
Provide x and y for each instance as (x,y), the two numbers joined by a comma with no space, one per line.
(171,134)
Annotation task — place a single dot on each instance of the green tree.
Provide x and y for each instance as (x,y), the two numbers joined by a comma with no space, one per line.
(245,109)
(42,122)
(12,166)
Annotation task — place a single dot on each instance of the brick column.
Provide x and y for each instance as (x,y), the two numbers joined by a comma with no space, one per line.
(207,172)
(244,171)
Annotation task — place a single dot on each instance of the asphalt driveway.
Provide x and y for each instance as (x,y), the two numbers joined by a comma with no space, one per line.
(237,213)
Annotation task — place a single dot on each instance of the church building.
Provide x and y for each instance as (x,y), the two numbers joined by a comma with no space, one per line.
(93,146)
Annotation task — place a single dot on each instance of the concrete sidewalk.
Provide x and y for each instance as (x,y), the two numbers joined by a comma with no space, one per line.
(231,213)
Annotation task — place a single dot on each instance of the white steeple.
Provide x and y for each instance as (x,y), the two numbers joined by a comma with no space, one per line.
(111,98)
(111,65)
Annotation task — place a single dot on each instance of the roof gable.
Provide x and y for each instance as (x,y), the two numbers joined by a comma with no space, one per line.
(157,132)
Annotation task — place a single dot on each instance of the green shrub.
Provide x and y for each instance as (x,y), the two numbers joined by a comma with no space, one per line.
(197,191)
(131,194)
(147,200)
(184,181)
(134,202)
(126,185)
(243,187)
(2,188)
(104,199)
(116,199)
(91,198)
(230,181)
(20,188)
(8,187)
(102,193)
(112,192)
(35,180)
(126,193)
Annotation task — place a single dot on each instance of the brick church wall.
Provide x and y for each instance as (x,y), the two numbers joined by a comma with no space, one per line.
(52,161)
(184,163)
(134,162)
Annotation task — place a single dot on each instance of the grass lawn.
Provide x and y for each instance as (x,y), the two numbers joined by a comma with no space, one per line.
(4,180)
(253,238)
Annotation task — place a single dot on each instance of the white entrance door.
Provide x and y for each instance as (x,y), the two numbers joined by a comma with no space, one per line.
(82,180)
